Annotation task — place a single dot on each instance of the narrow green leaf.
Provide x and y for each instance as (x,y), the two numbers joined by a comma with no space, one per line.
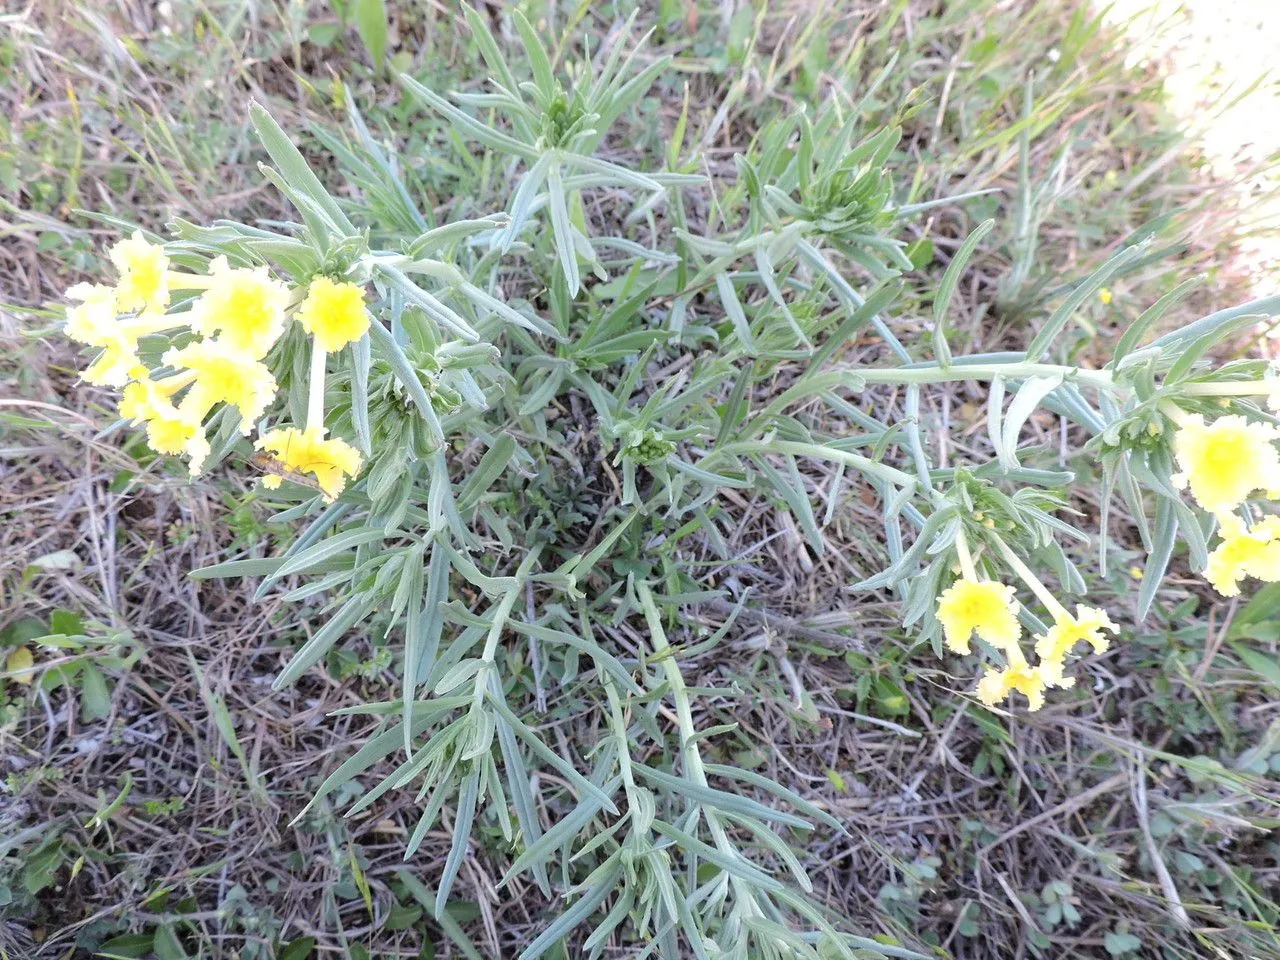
(486,135)
(293,167)
(370,17)
(585,906)
(452,929)
(361,361)
(313,556)
(408,378)
(1163,536)
(737,316)
(719,799)
(947,290)
(254,567)
(543,77)
(462,820)
(347,616)
(1149,318)
(1083,291)
(562,228)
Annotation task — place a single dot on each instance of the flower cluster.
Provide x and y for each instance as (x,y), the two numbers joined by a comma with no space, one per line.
(1223,465)
(991,611)
(223,335)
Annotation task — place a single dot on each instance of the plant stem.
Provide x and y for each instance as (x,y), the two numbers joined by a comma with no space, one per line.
(1056,609)
(315,398)
(959,370)
(1174,412)
(690,756)
(1233,388)
(965,557)
(188,281)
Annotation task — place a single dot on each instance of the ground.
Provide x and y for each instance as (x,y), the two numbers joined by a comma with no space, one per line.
(149,800)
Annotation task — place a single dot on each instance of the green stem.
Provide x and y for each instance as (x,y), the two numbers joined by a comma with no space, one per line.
(1056,609)
(315,396)
(857,461)
(690,756)
(1174,412)
(1236,388)
(959,370)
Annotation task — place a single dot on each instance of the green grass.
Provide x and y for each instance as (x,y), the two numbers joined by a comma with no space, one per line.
(168,791)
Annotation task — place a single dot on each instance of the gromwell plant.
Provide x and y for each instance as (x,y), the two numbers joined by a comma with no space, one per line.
(511,440)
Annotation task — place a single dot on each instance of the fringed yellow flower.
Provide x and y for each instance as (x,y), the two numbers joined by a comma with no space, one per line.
(333,313)
(1086,626)
(1224,462)
(307,451)
(93,320)
(988,608)
(997,685)
(170,429)
(223,375)
(1244,552)
(143,286)
(115,365)
(245,308)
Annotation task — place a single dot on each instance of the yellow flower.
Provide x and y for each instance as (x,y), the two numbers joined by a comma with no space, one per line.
(1224,462)
(170,430)
(1104,296)
(246,308)
(93,320)
(1244,553)
(223,375)
(989,608)
(333,313)
(1053,676)
(144,275)
(1087,625)
(113,367)
(996,685)
(307,451)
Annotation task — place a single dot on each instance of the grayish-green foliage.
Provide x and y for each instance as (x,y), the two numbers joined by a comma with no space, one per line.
(478,534)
